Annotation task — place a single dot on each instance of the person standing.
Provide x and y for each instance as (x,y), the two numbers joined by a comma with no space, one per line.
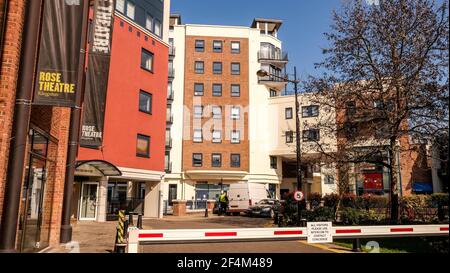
(223,201)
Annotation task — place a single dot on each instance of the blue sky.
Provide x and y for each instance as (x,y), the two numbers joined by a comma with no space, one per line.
(305,21)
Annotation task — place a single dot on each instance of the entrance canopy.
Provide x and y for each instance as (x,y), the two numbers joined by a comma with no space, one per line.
(104,167)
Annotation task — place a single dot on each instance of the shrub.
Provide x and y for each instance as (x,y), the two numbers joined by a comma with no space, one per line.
(415,209)
(351,216)
(331,200)
(322,214)
(370,201)
(315,199)
(349,200)
(439,200)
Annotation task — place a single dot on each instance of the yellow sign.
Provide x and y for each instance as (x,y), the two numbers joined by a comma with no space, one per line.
(50,84)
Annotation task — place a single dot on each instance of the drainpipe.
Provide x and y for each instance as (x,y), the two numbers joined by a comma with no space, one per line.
(74,134)
(21,120)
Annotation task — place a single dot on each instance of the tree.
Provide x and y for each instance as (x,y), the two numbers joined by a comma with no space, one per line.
(387,80)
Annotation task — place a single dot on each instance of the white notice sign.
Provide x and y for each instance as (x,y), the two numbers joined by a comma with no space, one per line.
(320,232)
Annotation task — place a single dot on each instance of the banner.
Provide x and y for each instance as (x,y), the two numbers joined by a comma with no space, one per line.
(97,74)
(59,53)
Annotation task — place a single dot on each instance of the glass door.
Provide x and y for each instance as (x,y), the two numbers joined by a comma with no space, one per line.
(88,204)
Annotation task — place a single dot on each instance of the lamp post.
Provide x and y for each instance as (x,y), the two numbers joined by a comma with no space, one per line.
(295,81)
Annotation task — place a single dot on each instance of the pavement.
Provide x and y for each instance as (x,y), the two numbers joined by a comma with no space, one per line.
(94,237)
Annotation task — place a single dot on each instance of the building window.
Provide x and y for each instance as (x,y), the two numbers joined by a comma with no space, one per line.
(158,29)
(120,5)
(311,135)
(235,47)
(217,68)
(145,102)
(199,67)
(197,160)
(288,113)
(273,162)
(289,136)
(235,68)
(273,93)
(235,90)
(217,136)
(143,146)
(310,111)
(235,160)
(200,46)
(149,22)
(198,136)
(147,60)
(130,9)
(217,46)
(217,112)
(216,160)
(198,111)
(217,90)
(235,137)
(199,89)
(329,179)
(235,112)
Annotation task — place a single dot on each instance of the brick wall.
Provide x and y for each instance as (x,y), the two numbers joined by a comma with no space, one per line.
(8,80)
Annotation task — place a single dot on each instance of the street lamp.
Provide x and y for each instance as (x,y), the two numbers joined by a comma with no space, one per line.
(295,81)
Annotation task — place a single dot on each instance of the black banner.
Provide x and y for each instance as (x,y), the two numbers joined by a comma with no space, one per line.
(97,74)
(57,70)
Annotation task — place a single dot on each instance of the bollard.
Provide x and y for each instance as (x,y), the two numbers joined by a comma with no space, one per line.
(120,245)
(139,221)
(206,208)
(130,219)
(356,245)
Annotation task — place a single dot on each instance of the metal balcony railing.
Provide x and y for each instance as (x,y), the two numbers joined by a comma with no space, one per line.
(273,56)
(169,143)
(169,118)
(271,78)
(172,50)
(171,73)
(168,167)
(170,95)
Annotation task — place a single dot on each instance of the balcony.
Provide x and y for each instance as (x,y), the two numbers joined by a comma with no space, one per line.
(170,95)
(168,167)
(172,51)
(169,118)
(276,58)
(168,143)
(171,73)
(277,82)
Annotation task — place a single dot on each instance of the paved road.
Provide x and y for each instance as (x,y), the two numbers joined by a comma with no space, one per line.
(223,222)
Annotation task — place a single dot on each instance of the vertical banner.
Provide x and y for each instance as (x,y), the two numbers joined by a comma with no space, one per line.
(97,74)
(57,71)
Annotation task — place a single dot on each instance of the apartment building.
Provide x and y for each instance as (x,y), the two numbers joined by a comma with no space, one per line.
(126,170)
(224,120)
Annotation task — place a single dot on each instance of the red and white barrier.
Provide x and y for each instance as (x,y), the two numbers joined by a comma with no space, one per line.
(136,236)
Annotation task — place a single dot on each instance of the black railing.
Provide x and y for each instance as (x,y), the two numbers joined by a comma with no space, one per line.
(271,78)
(135,205)
(172,50)
(273,55)
(172,73)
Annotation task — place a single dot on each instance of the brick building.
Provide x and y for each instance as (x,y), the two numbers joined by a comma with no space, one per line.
(42,186)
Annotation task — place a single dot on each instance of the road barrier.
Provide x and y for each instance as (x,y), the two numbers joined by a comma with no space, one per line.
(120,244)
(138,236)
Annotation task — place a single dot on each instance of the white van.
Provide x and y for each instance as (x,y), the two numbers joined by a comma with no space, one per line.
(243,195)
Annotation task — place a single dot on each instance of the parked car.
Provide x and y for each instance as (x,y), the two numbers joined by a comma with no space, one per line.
(265,208)
(244,195)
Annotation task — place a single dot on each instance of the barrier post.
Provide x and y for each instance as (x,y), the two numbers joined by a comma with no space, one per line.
(356,245)
(133,237)
(139,221)
(120,235)
(206,208)
(130,219)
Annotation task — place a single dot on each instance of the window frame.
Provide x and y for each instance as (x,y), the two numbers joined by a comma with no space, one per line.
(212,160)
(214,46)
(273,162)
(310,107)
(126,9)
(201,160)
(213,91)
(149,95)
(232,71)
(146,138)
(152,55)
(195,115)
(203,67)
(289,137)
(233,117)
(286,111)
(233,51)
(231,160)
(199,49)
(221,68)
(212,136)
(231,90)
(307,139)
(212,112)
(201,136)
(239,137)
(196,94)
